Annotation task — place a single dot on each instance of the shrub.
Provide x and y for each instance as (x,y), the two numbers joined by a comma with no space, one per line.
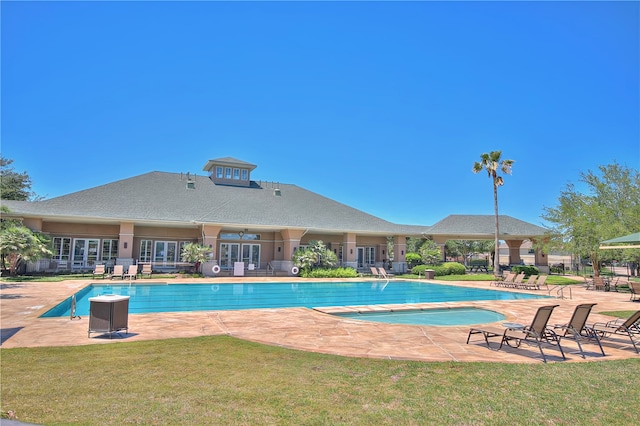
(419,270)
(448,268)
(329,273)
(528,270)
(413,259)
(455,268)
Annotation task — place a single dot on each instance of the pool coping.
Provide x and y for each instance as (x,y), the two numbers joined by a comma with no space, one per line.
(304,328)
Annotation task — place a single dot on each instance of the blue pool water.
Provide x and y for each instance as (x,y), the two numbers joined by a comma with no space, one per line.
(447,316)
(147,298)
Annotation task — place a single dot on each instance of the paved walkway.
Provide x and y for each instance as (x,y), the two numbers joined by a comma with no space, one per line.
(307,329)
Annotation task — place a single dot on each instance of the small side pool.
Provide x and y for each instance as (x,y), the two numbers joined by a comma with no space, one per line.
(441,317)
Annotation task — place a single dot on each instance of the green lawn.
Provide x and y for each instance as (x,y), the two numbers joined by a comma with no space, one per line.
(222,380)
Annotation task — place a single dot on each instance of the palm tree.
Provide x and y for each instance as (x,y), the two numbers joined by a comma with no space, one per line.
(492,163)
(195,253)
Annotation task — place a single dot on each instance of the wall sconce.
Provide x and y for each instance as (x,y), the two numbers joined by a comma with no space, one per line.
(350,251)
(241,234)
(383,251)
(125,244)
(402,252)
(279,248)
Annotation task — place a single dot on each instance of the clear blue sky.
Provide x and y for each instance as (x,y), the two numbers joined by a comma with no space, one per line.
(383,106)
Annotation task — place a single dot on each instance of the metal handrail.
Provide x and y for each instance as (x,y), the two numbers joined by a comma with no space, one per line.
(560,291)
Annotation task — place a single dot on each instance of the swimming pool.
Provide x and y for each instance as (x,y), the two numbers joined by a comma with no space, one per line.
(158,297)
(444,316)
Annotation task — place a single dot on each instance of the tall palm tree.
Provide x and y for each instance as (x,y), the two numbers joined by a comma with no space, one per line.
(492,163)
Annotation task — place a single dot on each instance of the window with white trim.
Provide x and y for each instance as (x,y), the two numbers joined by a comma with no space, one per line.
(61,248)
(145,250)
(109,250)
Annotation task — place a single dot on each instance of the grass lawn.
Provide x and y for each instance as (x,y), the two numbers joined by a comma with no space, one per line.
(551,279)
(222,380)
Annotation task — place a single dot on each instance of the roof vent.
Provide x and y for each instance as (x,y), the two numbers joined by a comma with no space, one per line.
(191,180)
(277,192)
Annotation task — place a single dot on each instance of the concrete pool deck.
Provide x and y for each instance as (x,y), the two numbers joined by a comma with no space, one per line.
(305,329)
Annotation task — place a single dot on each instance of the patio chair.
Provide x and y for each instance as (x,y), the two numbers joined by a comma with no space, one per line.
(374,272)
(99,271)
(503,282)
(118,272)
(146,270)
(576,328)
(515,334)
(629,327)
(617,282)
(517,281)
(541,281)
(634,289)
(530,283)
(600,284)
(132,272)
(384,273)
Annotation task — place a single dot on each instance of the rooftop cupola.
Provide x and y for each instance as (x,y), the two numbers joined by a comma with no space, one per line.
(229,171)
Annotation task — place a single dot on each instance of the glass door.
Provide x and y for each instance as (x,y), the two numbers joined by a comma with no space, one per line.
(165,253)
(229,254)
(251,254)
(85,253)
(360,259)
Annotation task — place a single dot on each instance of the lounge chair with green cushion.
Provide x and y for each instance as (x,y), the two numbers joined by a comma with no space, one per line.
(515,334)
(576,328)
(629,327)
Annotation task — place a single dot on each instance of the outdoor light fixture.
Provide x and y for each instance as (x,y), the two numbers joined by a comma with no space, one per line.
(279,248)
(125,244)
(350,251)
(241,234)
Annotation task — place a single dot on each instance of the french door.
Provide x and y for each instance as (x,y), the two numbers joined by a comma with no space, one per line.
(229,254)
(366,256)
(165,252)
(251,254)
(234,252)
(85,252)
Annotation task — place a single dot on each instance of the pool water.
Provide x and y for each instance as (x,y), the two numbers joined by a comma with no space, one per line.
(445,316)
(158,297)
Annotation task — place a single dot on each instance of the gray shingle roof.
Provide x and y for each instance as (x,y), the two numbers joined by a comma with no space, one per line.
(164,197)
(470,226)
(161,197)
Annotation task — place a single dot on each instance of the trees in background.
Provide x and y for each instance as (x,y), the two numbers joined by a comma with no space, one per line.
(493,163)
(19,244)
(468,248)
(316,254)
(607,207)
(14,185)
